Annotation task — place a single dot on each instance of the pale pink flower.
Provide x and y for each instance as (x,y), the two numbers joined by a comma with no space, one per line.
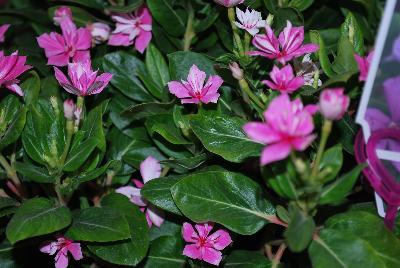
(193,90)
(100,32)
(71,45)
(83,80)
(237,73)
(69,109)
(3,30)
(250,21)
(288,46)
(205,246)
(132,28)
(10,68)
(284,80)
(150,169)
(363,65)
(288,126)
(333,103)
(61,247)
(229,3)
(63,18)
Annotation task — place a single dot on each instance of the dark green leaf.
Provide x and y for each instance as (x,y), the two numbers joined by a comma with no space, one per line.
(12,120)
(166,15)
(181,62)
(166,252)
(79,154)
(247,259)
(34,173)
(300,230)
(331,162)
(157,67)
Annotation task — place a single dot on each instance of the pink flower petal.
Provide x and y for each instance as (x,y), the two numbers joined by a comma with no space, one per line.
(301,143)
(203,229)
(178,89)
(49,248)
(3,30)
(188,233)
(211,256)
(119,39)
(81,56)
(142,41)
(275,152)
(15,88)
(192,251)
(150,169)
(261,132)
(76,252)
(61,259)
(58,60)
(221,239)
(52,43)
(155,215)
(191,100)
(133,194)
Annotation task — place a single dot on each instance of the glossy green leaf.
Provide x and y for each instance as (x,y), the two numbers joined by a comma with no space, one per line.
(93,127)
(157,67)
(228,198)
(140,111)
(331,162)
(12,120)
(79,154)
(167,16)
(351,29)
(322,53)
(344,61)
(31,88)
(34,173)
(96,224)
(181,62)
(224,136)
(300,230)
(166,251)
(163,124)
(37,216)
(247,259)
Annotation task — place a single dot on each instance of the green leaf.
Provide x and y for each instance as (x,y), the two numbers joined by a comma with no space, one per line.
(167,16)
(79,154)
(129,252)
(44,133)
(12,120)
(164,125)
(344,61)
(355,239)
(158,192)
(331,162)
(6,202)
(224,136)
(93,128)
(281,177)
(326,65)
(186,164)
(301,5)
(247,259)
(132,6)
(166,252)
(181,62)
(351,29)
(338,190)
(157,67)
(282,15)
(37,216)
(143,110)
(124,66)
(228,198)
(300,230)
(99,225)
(31,87)
(34,173)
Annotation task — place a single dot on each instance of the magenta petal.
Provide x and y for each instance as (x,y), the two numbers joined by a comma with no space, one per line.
(221,239)
(260,132)
(52,43)
(83,39)
(188,233)
(49,248)
(275,152)
(58,60)
(15,88)
(81,56)
(76,252)
(142,41)
(203,229)
(308,48)
(3,29)
(178,89)
(133,194)
(119,39)
(211,256)
(61,259)
(211,97)
(192,251)
(301,143)
(150,169)
(103,79)
(392,96)
(295,84)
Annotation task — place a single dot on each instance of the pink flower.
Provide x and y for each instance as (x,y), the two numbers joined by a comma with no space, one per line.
(284,80)
(150,169)
(83,81)
(193,90)
(3,30)
(100,32)
(61,247)
(229,3)
(288,46)
(132,28)
(333,103)
(288,126)
(363,65)
(72,44)
(205,246)
(250,21)
(63,17)
(69,108)
(10,68)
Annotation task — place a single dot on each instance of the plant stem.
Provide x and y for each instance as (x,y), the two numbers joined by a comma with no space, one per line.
(277,259)
(57,186)
(326,130)
(70,133)
(275,220)
(246,89)
(316,79)
(12,174)
(189,33)
(247,39)
(236,37)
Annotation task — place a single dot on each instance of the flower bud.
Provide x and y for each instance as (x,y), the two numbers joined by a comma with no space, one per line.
(69,109)
(61,13)
(237,73)
(229,3)
(333,103)
(100,32)
(77,114)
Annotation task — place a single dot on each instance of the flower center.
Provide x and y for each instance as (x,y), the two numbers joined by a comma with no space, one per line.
(202,241)
(70,51)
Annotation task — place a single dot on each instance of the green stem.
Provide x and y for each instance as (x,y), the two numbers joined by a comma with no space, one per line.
(316,79)
(277,259)
(247,39)
(189,33)
(79,105)
(12,174)
(57,187)
(246,89)
(326,130)
(70,133)
(236,37)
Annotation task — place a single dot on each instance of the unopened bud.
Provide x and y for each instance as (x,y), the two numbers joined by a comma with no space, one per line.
(100,32)
(237,73)
(69,109)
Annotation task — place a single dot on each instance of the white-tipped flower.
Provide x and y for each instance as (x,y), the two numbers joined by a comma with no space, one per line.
(100,32)
(251,21)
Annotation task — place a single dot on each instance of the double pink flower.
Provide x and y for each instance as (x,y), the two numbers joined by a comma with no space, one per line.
(83,80)
(150,169)
(10,68)
(205,246)
(288,46)
(288,126)
(194,90)
(284,80)
(134,28)
(62,246)
(72,45)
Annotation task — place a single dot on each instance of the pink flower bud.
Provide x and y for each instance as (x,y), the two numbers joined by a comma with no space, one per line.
(61,13)
(333,103)
(69,109)
(229,3)
(237,73)
(100,32)
(77,114)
